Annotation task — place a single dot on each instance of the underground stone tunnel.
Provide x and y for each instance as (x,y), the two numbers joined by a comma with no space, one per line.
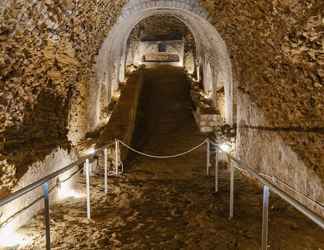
(120,83)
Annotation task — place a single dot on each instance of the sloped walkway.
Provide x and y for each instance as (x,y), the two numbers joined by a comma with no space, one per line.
(169,204)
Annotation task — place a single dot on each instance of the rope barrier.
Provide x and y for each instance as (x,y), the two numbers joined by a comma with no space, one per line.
(163,156)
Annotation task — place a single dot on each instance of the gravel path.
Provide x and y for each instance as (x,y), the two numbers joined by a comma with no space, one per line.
(170,204)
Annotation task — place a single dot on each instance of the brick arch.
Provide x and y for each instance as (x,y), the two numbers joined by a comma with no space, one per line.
(111,61)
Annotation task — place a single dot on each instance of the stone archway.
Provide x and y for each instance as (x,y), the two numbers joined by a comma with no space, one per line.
(111,61)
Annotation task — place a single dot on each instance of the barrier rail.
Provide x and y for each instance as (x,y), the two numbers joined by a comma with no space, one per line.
(44,183)
(267,187)
(233,162)
(241,166)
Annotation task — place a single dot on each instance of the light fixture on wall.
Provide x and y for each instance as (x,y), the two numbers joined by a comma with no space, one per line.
(226,147)
(65,190)
(116,94)
(208,94)
(90,151)
(9,238)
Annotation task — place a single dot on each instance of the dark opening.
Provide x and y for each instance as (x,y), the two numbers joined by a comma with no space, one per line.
(162,47)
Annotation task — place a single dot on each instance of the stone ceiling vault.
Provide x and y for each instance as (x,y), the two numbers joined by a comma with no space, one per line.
(211,50)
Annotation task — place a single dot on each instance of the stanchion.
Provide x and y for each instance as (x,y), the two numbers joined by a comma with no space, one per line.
(216,169)
(208,156)
(87,170)
(47,216)
(265,217)
(106,169)
(116,157)
(231,207)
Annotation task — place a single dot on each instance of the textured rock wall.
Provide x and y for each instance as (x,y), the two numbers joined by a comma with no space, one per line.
(47,53)
(124,118)
(48,50)
(277,52)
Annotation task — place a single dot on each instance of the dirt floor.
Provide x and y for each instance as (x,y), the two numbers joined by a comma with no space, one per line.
(170,204)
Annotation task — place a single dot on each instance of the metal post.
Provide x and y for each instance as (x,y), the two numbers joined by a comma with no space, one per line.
(120,159)
(116,156)
(231,212)
(122,165)
(216,170)
(265,217)
(87,169)
(106,169)
(208,157)
(90,168)
(47,216)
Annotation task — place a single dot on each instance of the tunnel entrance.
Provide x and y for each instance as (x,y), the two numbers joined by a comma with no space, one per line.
(166,117)
(160,39)
(191,42)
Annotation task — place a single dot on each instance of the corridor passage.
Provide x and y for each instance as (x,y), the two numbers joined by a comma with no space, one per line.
(169,203)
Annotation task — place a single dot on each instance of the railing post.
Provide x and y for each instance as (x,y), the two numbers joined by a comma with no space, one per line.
(265,217)
(208,156)
(116,157)
(87,170)
(106,169)
(231,207)
(216,169)
(47,216)
(119,158)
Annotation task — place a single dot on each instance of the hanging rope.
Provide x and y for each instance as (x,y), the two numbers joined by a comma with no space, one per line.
(163,156)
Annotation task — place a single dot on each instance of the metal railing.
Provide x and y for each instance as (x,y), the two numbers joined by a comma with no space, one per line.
(44,183)
(243,167)
(268,186)
(233,162)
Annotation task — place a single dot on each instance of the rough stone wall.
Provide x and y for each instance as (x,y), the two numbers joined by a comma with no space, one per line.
(48,49)
(124,118)
(277,51)
(47,53)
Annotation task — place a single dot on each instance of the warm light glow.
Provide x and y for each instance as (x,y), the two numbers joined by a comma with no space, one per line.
(226,147)
(106,120)
(132,69)
(10,238)
(116,95)
(207,95)
(66,191)
(90,151)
